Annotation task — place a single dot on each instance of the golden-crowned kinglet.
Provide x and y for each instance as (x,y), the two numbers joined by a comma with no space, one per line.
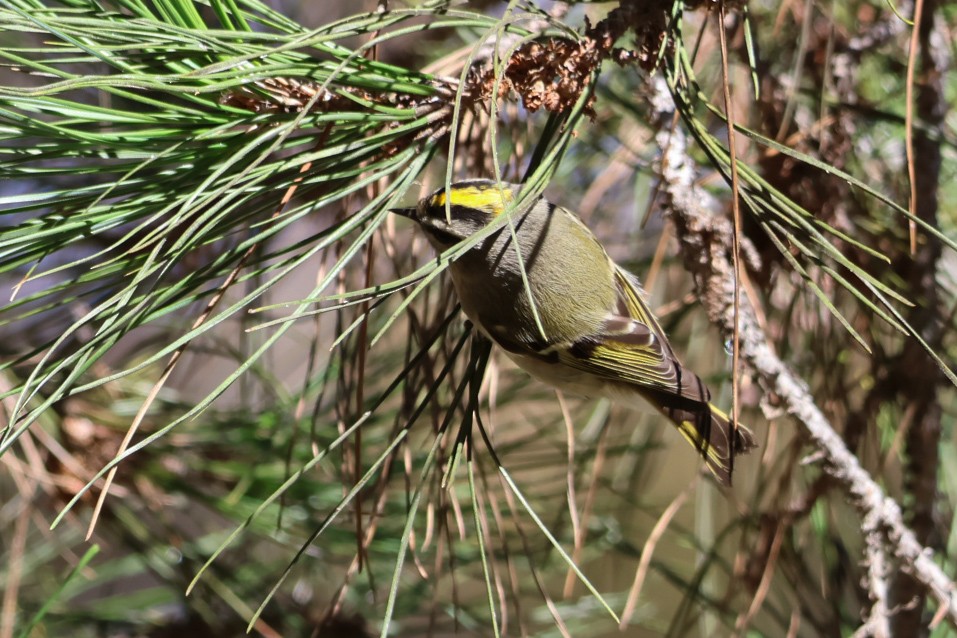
(585,328)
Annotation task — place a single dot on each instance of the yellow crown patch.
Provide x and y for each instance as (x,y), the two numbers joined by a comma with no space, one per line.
(482,197)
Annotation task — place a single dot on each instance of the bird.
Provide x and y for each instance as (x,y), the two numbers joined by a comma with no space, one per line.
(541,286)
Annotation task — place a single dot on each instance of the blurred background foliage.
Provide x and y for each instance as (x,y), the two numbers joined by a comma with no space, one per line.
(226,364)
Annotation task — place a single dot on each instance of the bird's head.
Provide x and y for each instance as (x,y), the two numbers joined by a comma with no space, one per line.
(451,215)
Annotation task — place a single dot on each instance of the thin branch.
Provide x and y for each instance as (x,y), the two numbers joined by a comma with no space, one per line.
(909,121)
(915,376)
(644,563)
(736,231)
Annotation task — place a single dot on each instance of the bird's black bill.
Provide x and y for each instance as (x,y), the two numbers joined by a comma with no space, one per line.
(404,212)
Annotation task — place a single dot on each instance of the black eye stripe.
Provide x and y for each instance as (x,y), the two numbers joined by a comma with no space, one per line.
(463,213)
(443,237)
(469,214)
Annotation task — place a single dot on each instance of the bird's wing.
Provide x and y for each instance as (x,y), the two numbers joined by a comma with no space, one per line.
(633,349)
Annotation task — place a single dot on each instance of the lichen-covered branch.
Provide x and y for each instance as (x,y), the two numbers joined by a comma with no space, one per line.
(705,241)
(877,624)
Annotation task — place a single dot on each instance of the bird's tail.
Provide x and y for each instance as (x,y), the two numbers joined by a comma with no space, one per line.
(710,431)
